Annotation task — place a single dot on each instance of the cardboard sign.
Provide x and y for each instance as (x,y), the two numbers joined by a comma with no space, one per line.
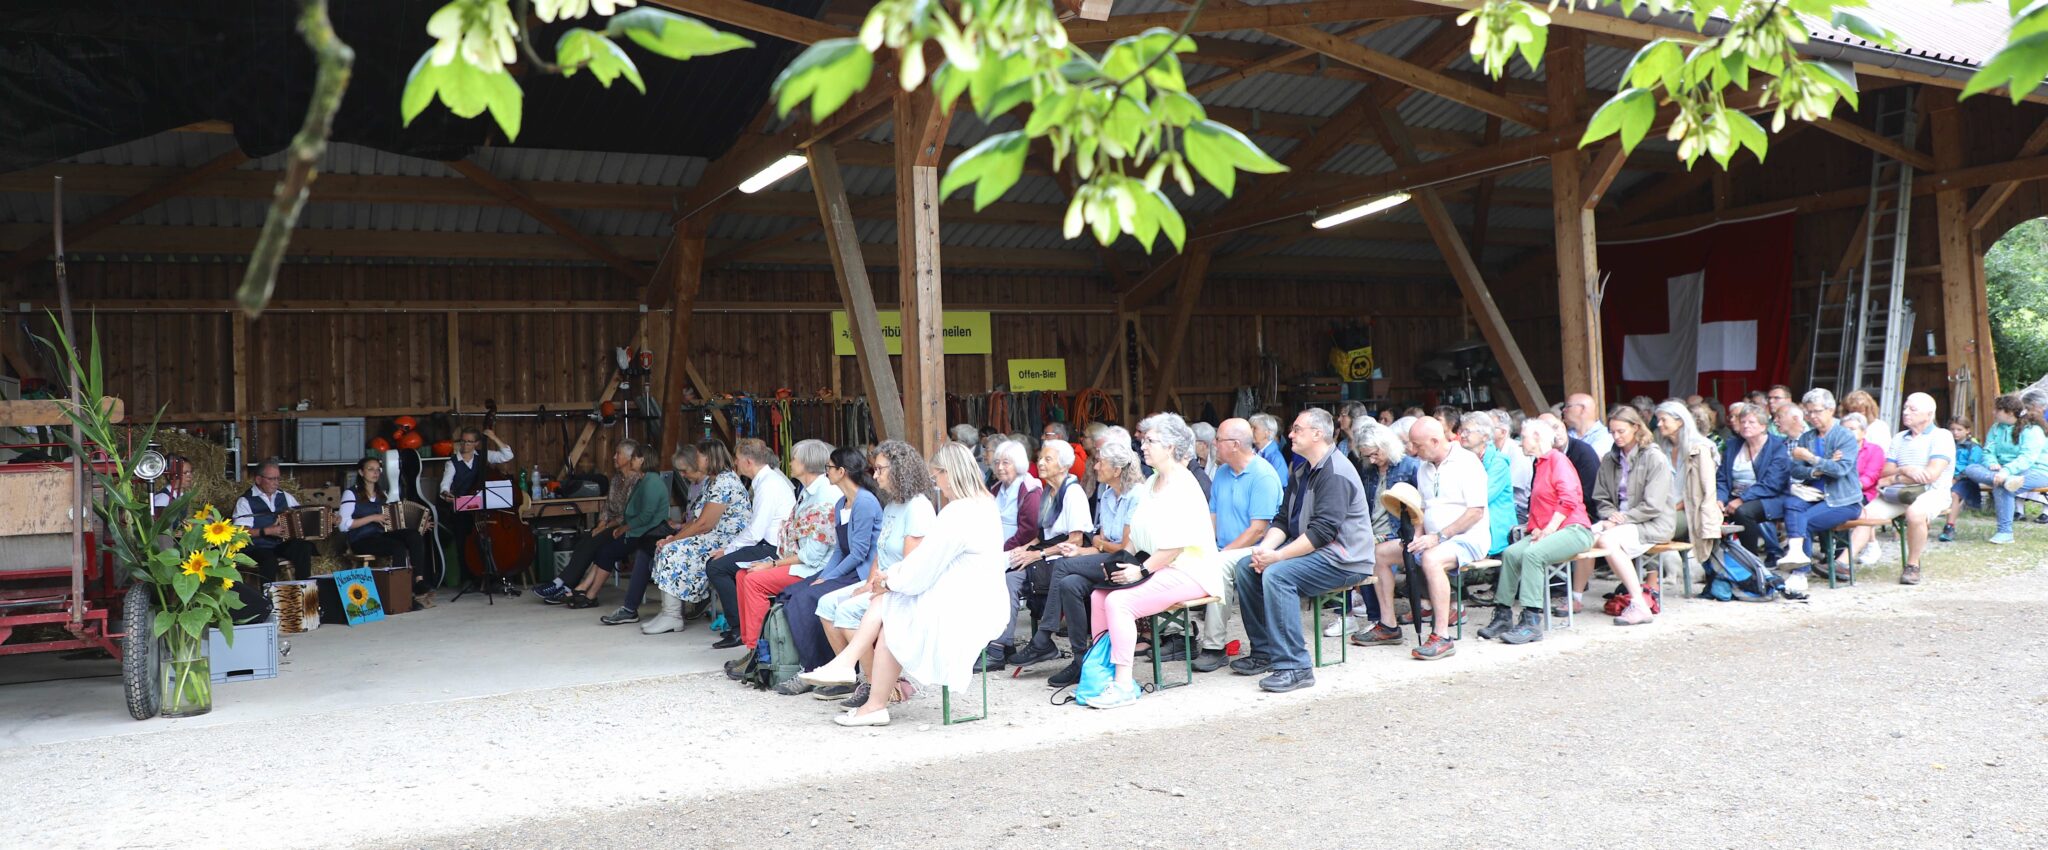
(1353,365)
(357,590)
(1038,375)
(964,331)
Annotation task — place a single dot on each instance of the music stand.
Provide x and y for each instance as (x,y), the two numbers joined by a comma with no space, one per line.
(497,496)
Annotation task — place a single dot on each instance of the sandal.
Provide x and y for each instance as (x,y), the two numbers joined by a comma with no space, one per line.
(904,691)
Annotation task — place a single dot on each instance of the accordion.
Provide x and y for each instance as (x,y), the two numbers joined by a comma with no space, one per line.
(399,516)
(297,604)
(304,523)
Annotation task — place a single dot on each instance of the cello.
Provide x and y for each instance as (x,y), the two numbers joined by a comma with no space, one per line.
(501,544)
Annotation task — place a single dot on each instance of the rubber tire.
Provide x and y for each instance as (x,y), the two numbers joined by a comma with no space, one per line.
(140,671)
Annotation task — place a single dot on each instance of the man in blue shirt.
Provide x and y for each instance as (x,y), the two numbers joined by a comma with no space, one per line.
(1242,502)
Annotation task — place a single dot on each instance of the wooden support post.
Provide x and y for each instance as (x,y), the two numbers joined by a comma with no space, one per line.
(454,361)
(1578,264)
(686,277)
(921,123)
(1962,300)
(1192,275)
(850,271)
(11,351)
(1995,195)
(238,332)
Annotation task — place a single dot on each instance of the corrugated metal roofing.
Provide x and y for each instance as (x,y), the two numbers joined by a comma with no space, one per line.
(1963,33)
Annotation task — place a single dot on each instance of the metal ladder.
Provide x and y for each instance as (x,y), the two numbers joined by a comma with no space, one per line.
(1832,326)
(1884,322)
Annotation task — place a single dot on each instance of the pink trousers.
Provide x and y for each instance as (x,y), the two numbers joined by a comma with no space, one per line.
(1117,611)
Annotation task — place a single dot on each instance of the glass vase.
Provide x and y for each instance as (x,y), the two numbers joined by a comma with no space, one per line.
(187,676)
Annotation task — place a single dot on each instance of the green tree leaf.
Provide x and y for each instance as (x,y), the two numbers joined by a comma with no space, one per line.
(420,84)
(580,48)
(827,74)
(2020,65)
(1629,113)
(1218,152)
(508,103)
(1862,28)
(672,35)
(993,166)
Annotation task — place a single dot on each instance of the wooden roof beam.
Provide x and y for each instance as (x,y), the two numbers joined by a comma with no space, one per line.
(1224,19)
(757,18)
(1868,138)
(1271,61)
(1996,194)
(74,234)
(551,220)
(1408,73)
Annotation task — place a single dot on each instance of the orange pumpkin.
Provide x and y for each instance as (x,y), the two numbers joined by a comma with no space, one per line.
(411,440)
(379,444)
(444,448)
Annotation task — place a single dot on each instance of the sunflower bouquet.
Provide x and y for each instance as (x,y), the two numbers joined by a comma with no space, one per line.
(195,585)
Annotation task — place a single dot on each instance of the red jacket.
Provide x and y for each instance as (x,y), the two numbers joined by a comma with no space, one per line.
(1555,488)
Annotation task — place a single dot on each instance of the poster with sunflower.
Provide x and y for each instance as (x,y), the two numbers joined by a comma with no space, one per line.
(359,600)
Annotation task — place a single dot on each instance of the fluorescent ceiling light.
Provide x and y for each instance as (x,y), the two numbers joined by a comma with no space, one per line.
(1376,205)
(773,174)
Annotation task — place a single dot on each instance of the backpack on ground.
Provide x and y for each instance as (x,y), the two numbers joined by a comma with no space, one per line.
(1735,573)
(775,658)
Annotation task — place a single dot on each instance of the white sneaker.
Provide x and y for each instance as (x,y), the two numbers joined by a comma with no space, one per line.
(1795,556)
(1795,582)
(1337,627)
(1871,554)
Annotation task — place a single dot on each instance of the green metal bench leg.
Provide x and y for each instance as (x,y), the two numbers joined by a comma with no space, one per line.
(1316,624)
(1899,527)
(1187,638)
(946,717)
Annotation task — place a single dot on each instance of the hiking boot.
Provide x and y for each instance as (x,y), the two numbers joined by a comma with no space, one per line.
(1035,652)
(1067,675)
(1251,665)
(1435,647)
(793,686)
(1173,649)
(620,617)
(1948,533)
(1210,660)
(733,667)
(1503,620)
(1910,575)
(1380,634)
(1529,629)
(1282,681)
(859,697)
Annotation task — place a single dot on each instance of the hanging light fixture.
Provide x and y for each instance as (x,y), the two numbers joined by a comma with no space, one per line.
(773,174)
(1377,205)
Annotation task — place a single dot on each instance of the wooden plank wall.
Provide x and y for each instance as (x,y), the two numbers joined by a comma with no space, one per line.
(183,361)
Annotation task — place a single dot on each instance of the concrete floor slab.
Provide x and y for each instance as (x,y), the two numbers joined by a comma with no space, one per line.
(453,651)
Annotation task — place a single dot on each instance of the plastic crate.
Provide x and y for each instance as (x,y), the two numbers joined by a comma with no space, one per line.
(254,655)
(330,440)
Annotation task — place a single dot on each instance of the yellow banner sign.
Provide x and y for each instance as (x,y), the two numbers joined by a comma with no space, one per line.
(1038,375)
(965,332)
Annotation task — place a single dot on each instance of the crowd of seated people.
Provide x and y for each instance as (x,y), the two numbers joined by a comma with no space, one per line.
(896,571)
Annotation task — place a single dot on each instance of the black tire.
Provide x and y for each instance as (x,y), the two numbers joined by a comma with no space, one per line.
(140,662)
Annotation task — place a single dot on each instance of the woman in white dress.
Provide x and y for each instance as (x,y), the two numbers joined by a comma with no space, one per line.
(944,601)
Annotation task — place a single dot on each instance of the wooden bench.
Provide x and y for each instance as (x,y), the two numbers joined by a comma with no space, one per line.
(1178,614)
(1683,549)
(1828,543)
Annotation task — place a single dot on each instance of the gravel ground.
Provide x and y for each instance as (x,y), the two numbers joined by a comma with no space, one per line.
(1879,716)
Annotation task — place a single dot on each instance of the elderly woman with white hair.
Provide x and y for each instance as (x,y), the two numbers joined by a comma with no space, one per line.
(1205,448)
(1825,491)
(1062,519)
(1016,490)
(1694,460)
(1170,556)
(1382,459)
(1558,529)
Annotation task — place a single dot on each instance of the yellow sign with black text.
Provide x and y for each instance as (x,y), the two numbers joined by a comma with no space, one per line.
(965,332)
(1038,375)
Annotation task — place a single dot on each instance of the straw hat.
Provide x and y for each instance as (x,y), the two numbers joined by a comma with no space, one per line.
(1403,498)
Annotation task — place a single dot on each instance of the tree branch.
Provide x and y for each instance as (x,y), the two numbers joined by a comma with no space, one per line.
(333,59)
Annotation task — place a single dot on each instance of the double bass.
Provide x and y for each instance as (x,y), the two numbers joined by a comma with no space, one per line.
(501,545)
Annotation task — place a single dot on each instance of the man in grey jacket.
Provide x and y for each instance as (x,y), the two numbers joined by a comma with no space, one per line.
(1320,541)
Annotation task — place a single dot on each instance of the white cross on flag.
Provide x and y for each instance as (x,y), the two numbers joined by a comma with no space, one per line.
(1707,312)
(1688,346)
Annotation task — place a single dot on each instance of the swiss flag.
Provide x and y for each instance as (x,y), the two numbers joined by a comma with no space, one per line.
(1708,311)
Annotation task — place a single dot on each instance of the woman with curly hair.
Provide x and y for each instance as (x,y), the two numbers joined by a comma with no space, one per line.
(907,516)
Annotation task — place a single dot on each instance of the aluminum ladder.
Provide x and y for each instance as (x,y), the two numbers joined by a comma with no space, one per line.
(1884,321)
(1828,338)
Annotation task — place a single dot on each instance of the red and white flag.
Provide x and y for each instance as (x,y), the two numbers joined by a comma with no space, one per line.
(1708,312)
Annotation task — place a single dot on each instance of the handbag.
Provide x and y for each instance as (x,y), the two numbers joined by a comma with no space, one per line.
(1116,564)
(1806,492)
(1902,494)
(1097,673)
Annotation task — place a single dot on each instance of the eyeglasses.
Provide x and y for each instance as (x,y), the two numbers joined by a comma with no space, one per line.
(878,468)
(270,477)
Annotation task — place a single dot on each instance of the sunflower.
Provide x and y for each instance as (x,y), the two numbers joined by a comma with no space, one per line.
(358,594)
(227,584)
(219,531)
(196,564)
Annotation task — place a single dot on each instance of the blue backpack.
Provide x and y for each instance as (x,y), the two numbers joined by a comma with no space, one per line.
(1097,673)
(1738,573)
